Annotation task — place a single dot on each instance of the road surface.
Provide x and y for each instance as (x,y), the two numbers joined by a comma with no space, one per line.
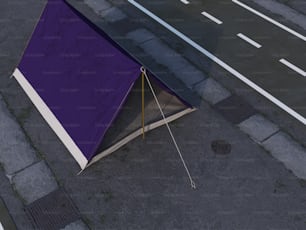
(265,54)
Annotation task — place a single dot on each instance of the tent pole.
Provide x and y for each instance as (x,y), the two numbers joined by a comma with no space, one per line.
(143,104)
(192,183)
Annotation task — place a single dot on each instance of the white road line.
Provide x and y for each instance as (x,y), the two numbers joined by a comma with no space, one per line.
(270,20)
(221,63)
(185,2)
(293,67)
(249,40)
(214,19)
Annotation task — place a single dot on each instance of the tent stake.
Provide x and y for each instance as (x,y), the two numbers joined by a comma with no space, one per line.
(192,183)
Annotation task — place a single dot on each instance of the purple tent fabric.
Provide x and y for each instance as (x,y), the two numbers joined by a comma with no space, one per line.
(81,76)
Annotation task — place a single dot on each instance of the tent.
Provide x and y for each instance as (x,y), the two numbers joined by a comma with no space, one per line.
(88,89)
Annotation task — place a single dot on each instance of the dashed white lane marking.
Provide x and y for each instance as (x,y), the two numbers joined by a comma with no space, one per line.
(221,63)
(249,40)
(293,67)
(214,19)
(270,20)
(185,2)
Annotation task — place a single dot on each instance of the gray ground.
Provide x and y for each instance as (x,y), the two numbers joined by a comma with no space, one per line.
(143,185)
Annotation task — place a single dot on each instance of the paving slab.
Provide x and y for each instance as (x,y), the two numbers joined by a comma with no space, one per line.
(235,109)
(289,152)
(258,127)
(105,10)
(211,91)
(34,182)
(140,35)
(15,151)
(98,5)
(78,225)
(113,14)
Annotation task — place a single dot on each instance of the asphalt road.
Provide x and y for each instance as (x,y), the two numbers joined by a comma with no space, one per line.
(265,54)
